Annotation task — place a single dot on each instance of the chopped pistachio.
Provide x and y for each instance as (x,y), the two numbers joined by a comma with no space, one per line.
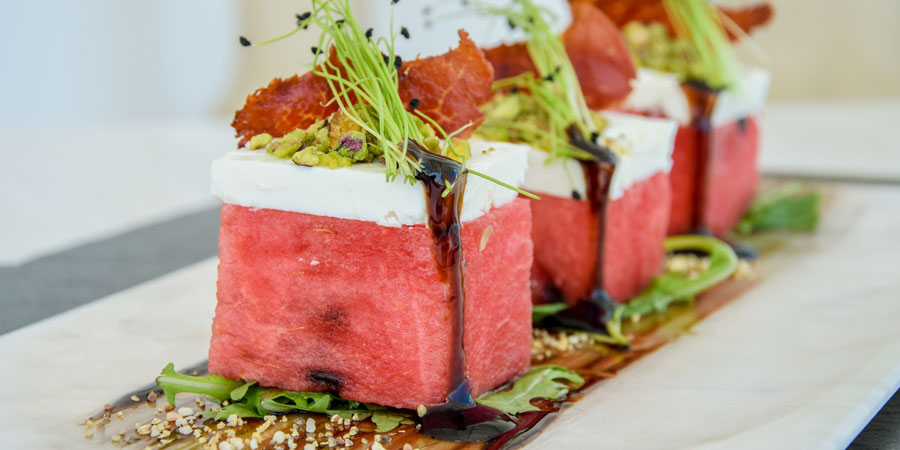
(284,148)
(259,141)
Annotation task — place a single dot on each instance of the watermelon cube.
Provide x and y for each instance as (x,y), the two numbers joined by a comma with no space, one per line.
(312,302)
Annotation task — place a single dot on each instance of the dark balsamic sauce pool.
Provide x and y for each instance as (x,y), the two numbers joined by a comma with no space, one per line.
(460,418)
(591,313)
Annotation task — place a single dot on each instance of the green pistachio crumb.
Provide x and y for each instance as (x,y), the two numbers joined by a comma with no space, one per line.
(284,148)
(259,141)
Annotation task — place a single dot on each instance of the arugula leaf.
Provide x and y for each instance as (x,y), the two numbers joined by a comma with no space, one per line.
(240,409)
(387,420)
(251,400)
(540,312)
(240,391)
(792,206)
(540,382)
(669,288)
(214,386)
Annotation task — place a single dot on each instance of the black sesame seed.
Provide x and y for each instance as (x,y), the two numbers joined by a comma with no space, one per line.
(512,25)
(404,32)
(595,136)
(514,90)
(339,22)
(414,103)
(576,195)
(369,33)
(387,59)
(394,2)
(315,50)
(398,63)
(302,18)
(245,42)
(549,77)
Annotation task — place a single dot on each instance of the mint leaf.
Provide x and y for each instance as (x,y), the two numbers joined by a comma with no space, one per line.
(540,312)
(792,206)
(214,386)
(540,382)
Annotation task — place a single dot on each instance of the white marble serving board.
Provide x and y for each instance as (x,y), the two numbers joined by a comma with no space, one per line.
(802,361)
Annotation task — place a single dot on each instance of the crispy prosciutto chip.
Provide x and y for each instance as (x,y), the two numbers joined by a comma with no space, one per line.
(509,60)
(598,53)
(283,106)
(600,56)
(647,11)
(449,88)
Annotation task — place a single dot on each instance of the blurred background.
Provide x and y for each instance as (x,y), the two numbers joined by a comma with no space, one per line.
(113,110)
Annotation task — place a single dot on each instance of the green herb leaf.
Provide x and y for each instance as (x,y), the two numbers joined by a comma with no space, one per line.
(540,312)
(669,288)
(387,420)
(541,382)
(239,409)
(251,400)
(241,391)
(214,386)
(792,206)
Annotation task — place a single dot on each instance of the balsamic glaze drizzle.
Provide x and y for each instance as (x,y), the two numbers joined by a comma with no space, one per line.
(702,101)
(591,313)
(460,418)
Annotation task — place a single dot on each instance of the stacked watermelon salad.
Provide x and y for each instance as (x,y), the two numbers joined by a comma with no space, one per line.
(383,255)
(689,74)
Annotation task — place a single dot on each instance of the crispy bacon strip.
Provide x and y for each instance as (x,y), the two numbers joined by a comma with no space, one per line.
(647,11)
(598,53)
(449,88)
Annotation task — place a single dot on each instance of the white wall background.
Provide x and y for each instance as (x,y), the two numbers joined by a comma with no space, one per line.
(100,60)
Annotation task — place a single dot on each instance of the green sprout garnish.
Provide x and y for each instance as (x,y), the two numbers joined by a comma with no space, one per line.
(362,72)
(555,93)
(698,23)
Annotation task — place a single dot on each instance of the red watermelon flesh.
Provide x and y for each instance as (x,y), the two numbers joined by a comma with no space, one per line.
(314,303)
(565,237)
(732,176)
